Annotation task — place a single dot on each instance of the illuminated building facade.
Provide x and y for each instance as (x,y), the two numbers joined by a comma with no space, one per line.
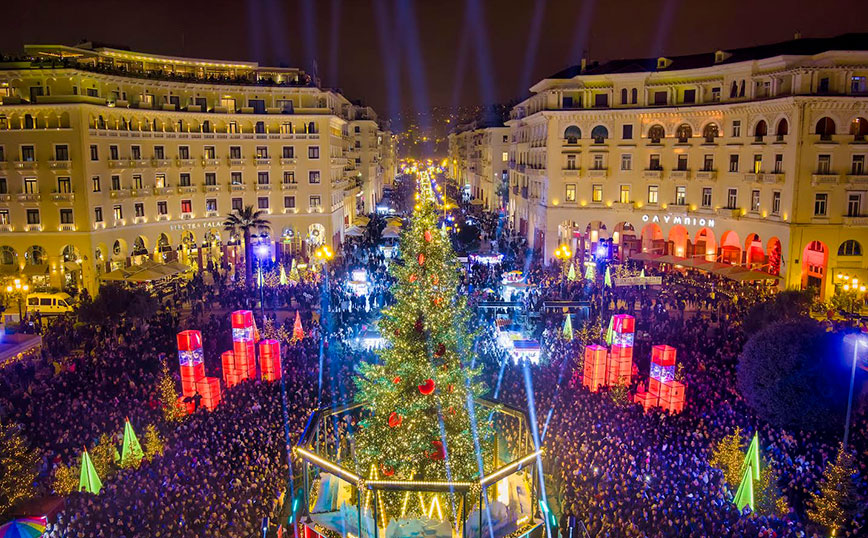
(753,156)
(109,157)
(479,159)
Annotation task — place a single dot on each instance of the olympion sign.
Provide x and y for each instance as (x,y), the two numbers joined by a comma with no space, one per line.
(673,219)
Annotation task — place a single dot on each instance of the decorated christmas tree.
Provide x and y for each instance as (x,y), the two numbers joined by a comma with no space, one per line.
(297,329)
(571,275)
(568,328)
(283,280)
(131,452)
(835,502)
(590,272)
(418,424)
(89,480)
(607,278)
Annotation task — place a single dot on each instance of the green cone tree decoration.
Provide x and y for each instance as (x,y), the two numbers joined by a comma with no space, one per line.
(88,480)
(131,452)
(568,327)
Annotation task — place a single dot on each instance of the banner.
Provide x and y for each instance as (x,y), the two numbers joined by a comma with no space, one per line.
(638,281)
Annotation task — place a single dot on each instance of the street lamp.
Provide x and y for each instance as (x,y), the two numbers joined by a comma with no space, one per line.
(19,290)
(856,339)
(564,254)
(262,252)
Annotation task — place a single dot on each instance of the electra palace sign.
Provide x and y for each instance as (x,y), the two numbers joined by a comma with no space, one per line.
(675,219)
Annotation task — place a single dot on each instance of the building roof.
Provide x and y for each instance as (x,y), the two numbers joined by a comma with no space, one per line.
(795,47)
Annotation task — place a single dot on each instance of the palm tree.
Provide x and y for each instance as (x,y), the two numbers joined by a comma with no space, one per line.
(244,221)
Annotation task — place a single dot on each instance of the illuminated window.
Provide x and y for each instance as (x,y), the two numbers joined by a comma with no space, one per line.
(755,201)
(118,212)
(652,194)
(210,152)
(570,192)
(30,185)
(160,181)
(680,195)
(706,197)
(776,203)
(597,193)
(757,164)
(624,196)
(211,205)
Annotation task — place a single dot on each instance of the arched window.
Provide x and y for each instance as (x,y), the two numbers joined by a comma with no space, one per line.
(572,134)
(206,126)
(260,127)
(35,255)
(163,243)
(139,248)
(311,128)
(710,132)
(683,133)
(100,122)
(634,96)
(656,133)
(599,134)
(117,249)
(70,254)
(623,96)
(859,129)
(825,128)
(29,123)
(8,256)
(850,247)
(782,130)
(760,131)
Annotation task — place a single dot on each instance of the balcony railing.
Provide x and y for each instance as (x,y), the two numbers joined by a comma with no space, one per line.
(289,186)
(161,163)
(679,174)
(824,179)
(652,173)
(263,186)
(120,193)
(288,160)
(706,175)
(262,161)
(186,163)
(238,188)
(210,162)
(62,197)
(29,197)
(598,172)
(60,165)
(26,165)
(211,188)
(186,189)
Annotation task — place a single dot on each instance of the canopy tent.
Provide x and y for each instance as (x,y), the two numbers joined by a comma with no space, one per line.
(748,276)
(354,231)
(476,201)
(644,256)
(362,221)
(33,270)
(394,222)
(391,233)
(147,272)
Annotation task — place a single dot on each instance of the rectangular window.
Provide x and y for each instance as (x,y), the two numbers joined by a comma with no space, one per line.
(261,152)
(66,216)
(262,202)
(858,85)
(160,181)
(601,100)
(706,197)
(95,183)
(162,207)
(232,128)
(596,193)
(61,152)
(28,154)
(185,180)
(262,178)
(97,214)
(504,156)
(211,205)
(626,161)
(137,182)
(237,204)
(736,128)
(32,216)
(571,162)
(824,164)
(315,202)
(210,178)
(210,152)
(624,197)
(31,186)
(64,185)
(139,208)
(286,127)
(857,167)
(234,152)
(186,206)
(570,192)
(113,152)
(854,204)
(627,132)
(779,163)
(116,183)
(654,162)
(289,202)
(776,203)
(732,198)
(682,162)
(821,202)
(313,152)
(235,178)
(715,94)
(313,177)
(4,217)
(757,164)
(653,194)
(159,152)
(94,152)
(288,177)
(708,163)
(118,212)
(733,163)
(136,152)
(598,162)
(660,98)
(183,152)
(689,96)
(755,201)
(289,152)
(4,186)
(680,195)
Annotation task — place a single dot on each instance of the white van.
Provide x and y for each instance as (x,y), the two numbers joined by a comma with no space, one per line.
(49,303)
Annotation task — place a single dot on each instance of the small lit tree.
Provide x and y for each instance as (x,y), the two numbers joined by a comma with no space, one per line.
(17,467)
(65,478)
(154,443)
(728,456)
(836,500)
(172,412)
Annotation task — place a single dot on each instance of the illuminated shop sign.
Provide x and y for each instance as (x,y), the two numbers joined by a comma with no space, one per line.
(676,219)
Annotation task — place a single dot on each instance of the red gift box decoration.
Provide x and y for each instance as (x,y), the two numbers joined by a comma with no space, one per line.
(595,367)
(269,359)
(663,355)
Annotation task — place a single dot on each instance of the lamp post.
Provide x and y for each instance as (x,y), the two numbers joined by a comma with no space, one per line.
(564,254)
(324,253)
(262,252)
(856,340)
(19,290)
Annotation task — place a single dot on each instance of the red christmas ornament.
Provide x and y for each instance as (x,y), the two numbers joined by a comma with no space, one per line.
(421,259)
(387,470)
(413,278)
(427,387)
(451,410)
(438,300)
(395,420)
(397,379)
(428,236)
(435,280)
(451,387)
(441,350)
(439,452)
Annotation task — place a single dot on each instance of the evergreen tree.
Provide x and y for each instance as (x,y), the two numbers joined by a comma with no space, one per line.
(836,500)
(17,467)
(154,443)
(172,412)
(416,398)
(65,479)
(728,456)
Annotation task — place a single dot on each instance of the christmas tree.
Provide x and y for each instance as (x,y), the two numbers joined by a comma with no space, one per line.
(418,424)
(607,278)
(89,480)
(833,504)
(18,469)
(590,272)
(297,329)
(131,452)
(154,444)
(571,275)
(568,328)
(283,280)
(172,412)
(745,493)
(728,456)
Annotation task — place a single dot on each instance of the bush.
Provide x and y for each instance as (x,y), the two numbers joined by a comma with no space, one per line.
(116,302)
(783,306)
(793,374)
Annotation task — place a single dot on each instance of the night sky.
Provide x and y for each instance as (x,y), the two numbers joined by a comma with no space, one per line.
(413,55)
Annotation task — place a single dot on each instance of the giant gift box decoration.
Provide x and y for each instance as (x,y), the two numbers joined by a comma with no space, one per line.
(193,378)
(269,360)
(243,331)
(663,390)
(619,369)
(595,367)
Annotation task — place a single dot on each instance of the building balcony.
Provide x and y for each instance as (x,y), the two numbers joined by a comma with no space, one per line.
(210,162)
(66,228)
(141,192)
(706,175)
(653,173)
(62,197)
(164,190)
(5,197)
(238,188)
(570,172)
(598,172)
(5,228)
(32,227)
(236,162)
(288,161)
(857,180)
(186,163)
(139,163)
(161,163)
(29,197)
(289,186)
(772,178)
(60,165)
(824,179)
(186,189)
(120,193)
(119,163)
(26,165)
(262,161)
(263,187)
(679,174)
(855,220)
(729,212)
(211,188)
